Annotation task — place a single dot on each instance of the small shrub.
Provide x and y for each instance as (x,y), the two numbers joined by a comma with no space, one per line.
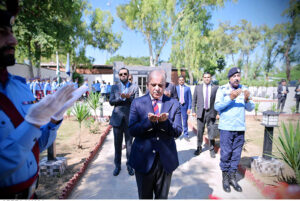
(288,147)
(256,108)
(274,107)
(81,112)
(293,109)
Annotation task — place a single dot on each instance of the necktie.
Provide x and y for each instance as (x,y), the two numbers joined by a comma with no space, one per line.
(155,107)
(181,94)
(206,98)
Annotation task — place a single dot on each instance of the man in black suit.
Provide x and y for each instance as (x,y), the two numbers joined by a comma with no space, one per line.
(297,96)
(282,93)
(170,89)
(154,121)
(203,107)
(121,96)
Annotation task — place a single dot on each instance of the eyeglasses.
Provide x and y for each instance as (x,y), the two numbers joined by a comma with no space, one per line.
(121,74)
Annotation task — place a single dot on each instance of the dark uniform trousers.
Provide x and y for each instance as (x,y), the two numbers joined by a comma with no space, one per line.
(297,102)
(231,144)
(118,139)
(156,181)
(281,102)
(205,119)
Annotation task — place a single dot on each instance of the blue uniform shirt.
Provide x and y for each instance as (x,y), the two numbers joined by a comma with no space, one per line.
(54,86)
(16,158)
(47,87)
(108,88)
(232,112)
(97,87)
(36,87)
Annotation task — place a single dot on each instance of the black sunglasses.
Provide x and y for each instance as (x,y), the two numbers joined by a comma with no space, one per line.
(121,74)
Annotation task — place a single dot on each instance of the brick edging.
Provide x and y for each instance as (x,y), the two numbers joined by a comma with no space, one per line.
(280,191)
(72,182)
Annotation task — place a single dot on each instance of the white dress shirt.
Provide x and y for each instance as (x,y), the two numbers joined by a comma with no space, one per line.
(204,94)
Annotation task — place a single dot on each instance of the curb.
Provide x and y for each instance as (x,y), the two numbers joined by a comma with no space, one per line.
(72,182)
(280,191)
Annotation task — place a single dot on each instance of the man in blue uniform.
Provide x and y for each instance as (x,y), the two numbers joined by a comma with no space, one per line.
(54,85)
(25,131)
(232,100)
(47,87)
(38,90)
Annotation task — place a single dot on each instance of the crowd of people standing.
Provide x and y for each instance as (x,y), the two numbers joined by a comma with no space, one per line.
(43,87)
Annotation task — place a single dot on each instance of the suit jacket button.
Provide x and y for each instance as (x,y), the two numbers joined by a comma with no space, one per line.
(153,151)
(157,138)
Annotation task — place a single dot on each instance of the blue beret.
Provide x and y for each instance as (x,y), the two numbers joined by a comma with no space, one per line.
(233,71)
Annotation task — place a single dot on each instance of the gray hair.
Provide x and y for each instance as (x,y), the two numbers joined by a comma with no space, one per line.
(157,71)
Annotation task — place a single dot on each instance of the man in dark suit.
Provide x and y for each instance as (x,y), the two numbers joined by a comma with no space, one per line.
(121,96)
(282,93)
(203,107)
(170,89)
(297,96)
(185,100)
(154,121)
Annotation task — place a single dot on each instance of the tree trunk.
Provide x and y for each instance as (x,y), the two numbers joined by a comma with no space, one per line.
(246,67)
(191,77)
(152,63)
(288,63)
(30,59)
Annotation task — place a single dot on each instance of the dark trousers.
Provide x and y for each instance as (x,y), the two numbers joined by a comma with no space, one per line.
(184,118)
(118,139)
(281,102)
(156,181)
(205,119)
(297,103)
(231,144)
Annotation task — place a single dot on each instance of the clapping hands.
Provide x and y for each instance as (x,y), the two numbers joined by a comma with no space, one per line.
(123,95)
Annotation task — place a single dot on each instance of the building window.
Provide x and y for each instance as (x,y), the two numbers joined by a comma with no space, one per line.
(142,82)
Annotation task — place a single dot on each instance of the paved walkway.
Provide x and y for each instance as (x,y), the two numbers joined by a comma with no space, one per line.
(195,178)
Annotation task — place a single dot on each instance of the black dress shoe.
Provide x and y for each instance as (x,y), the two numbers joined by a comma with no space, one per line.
(225,182)
(212,153)
(233,182)
(198,151)
(116,171)
(130,171)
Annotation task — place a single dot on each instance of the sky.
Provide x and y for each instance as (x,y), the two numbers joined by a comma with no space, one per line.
(258,12)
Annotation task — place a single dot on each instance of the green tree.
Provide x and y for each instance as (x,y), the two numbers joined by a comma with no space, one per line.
(248,39)
(102,36)
(41,28)
(144,61)
(225,37)
(157,19)
(194,47)
(289,33)
(270,45)
(44,28)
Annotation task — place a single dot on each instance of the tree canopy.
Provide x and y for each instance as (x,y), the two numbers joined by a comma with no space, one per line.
(157,19)
(44,28)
